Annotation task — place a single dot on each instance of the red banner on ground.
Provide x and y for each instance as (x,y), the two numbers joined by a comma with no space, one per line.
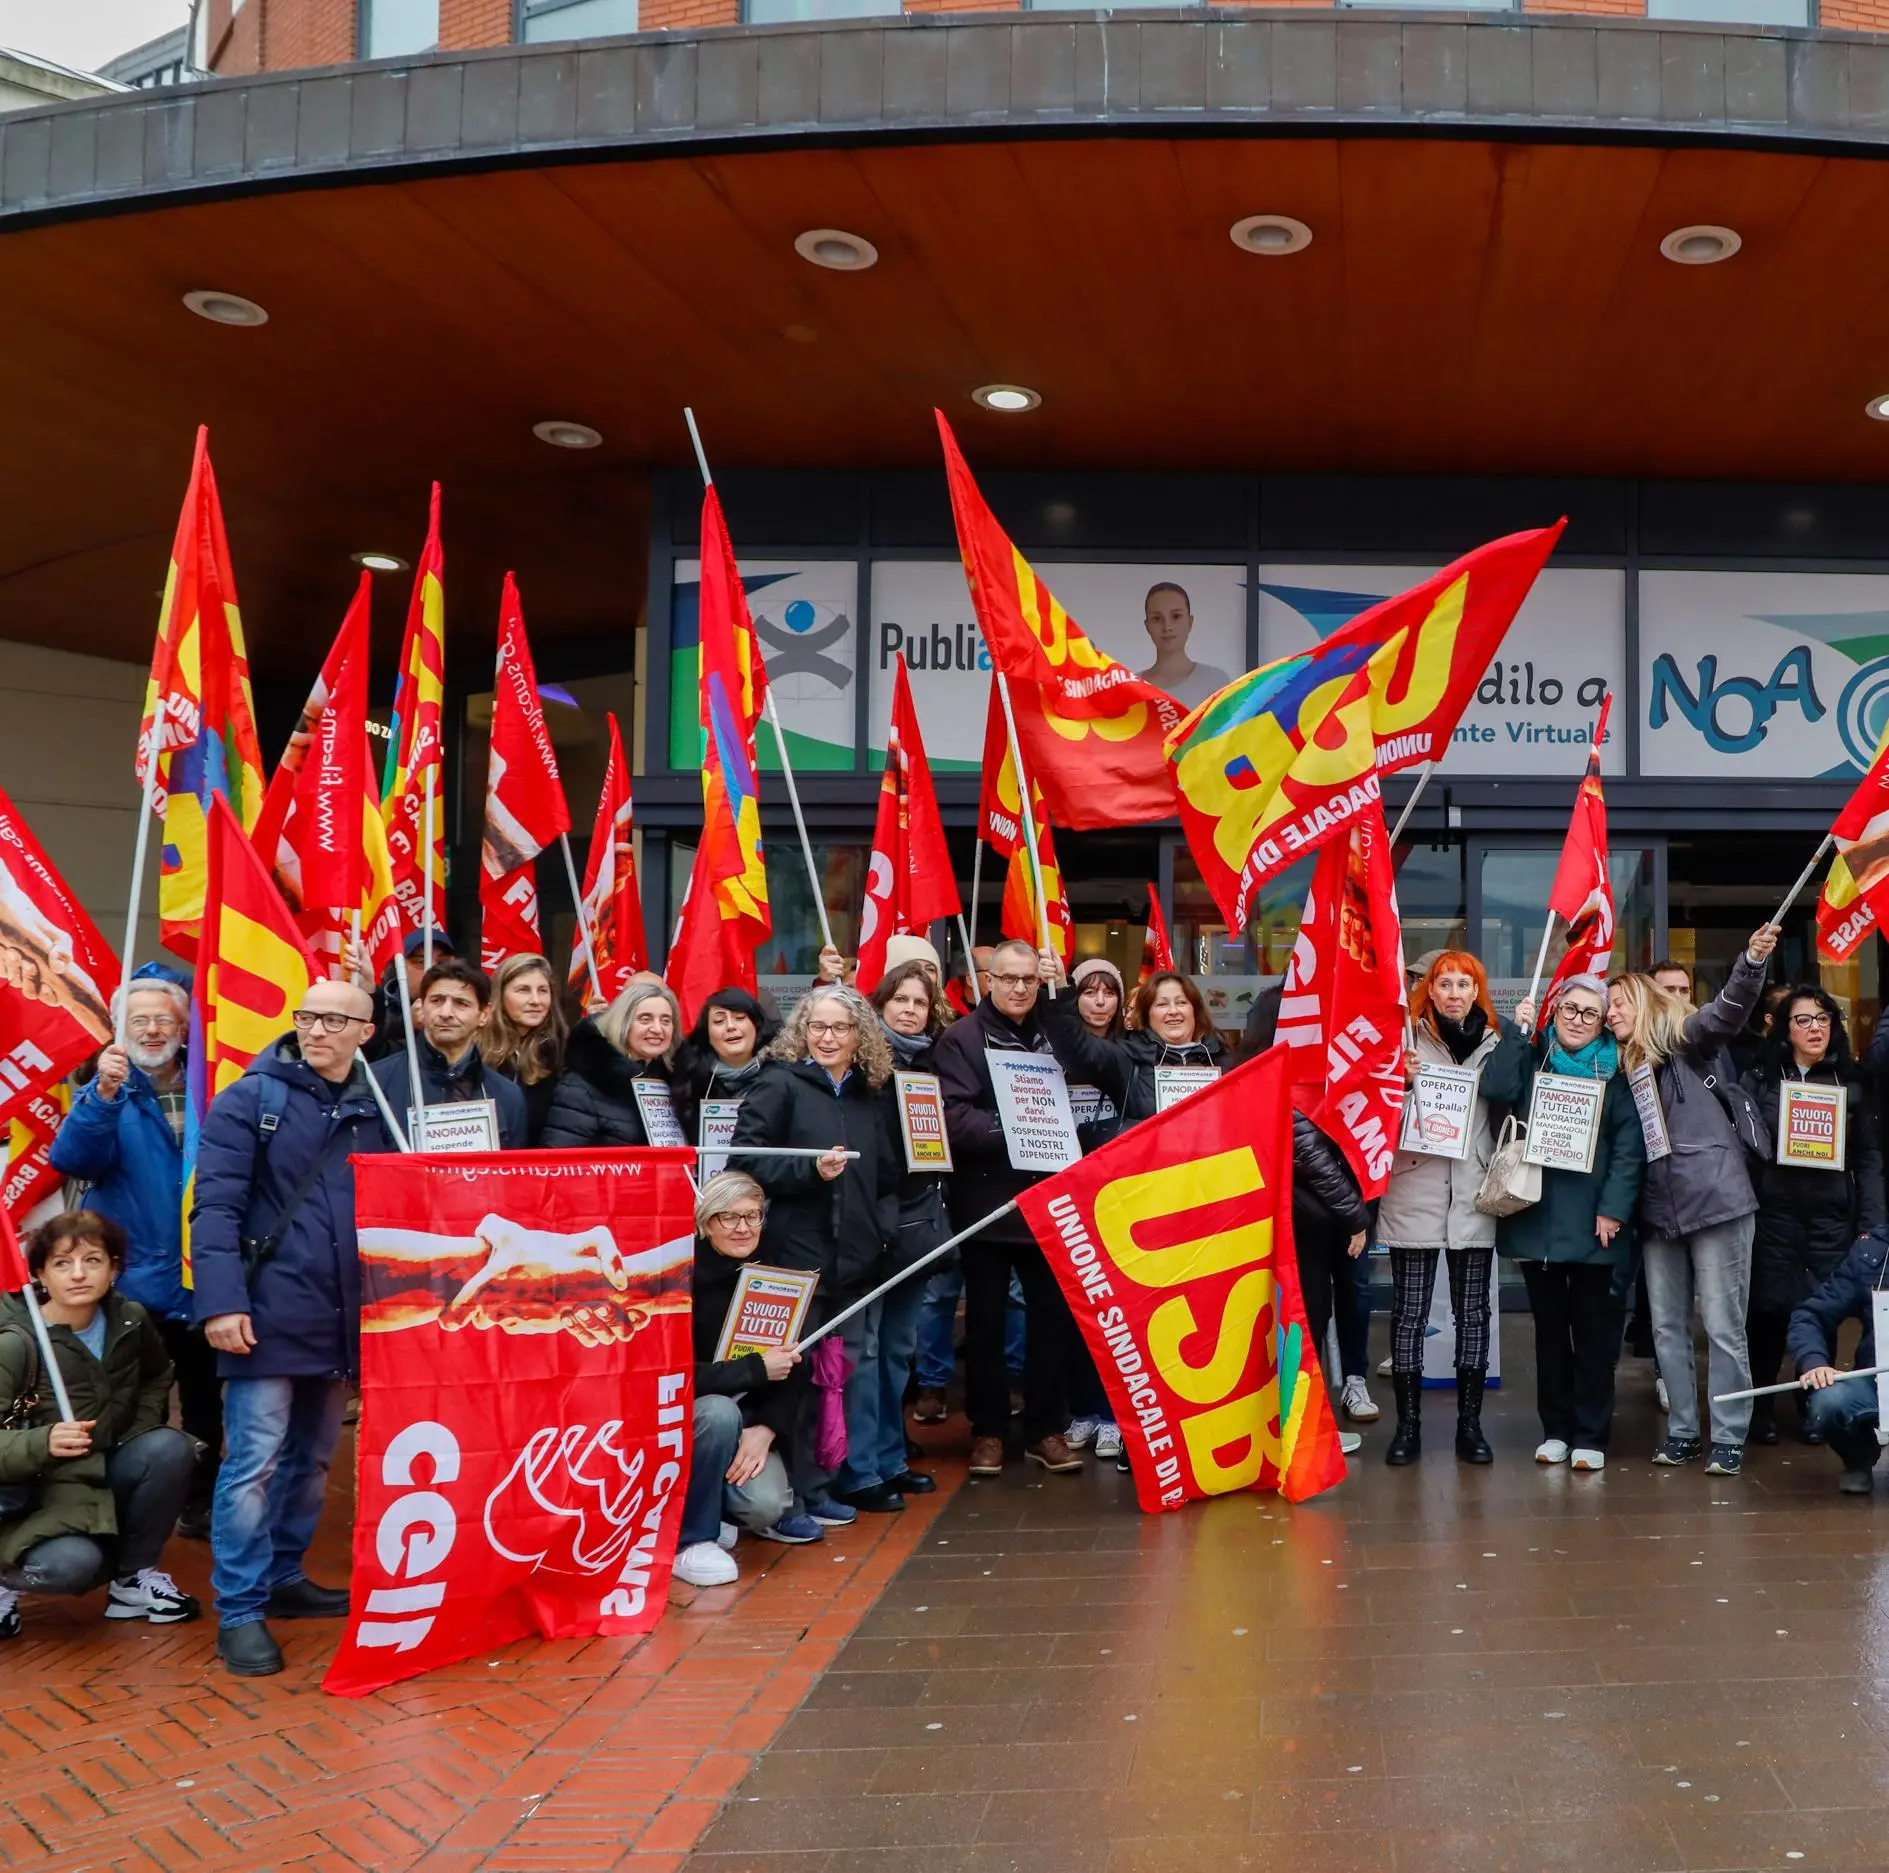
(526,1371)
(1174,1248)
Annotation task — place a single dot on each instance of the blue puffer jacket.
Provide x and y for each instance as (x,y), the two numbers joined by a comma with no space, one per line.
(305,1305)
(125,1149)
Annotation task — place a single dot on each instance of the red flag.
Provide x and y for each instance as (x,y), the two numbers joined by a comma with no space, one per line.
(415,749)
(13,1275)
(613,907)
(1157,951)
(1583,896)
(525,1402)
(909,883)
(1091,731)
(1173,1245)
(999,799)
(1855,896)
(59,1014)
(1017,916)
(31,1181)
(524,798)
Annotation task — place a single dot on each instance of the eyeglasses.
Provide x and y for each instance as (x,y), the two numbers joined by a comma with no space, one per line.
(1582,1016)
(153,1024)
(307,1020)
(1818,1020)
(828,1030)
(740,1219)
(1016,982)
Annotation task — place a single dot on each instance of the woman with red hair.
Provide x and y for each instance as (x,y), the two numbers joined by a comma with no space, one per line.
(1430,1209)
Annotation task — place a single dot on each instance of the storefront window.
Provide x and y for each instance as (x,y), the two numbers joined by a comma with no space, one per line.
(789,957)
(546,20)
(1516,881)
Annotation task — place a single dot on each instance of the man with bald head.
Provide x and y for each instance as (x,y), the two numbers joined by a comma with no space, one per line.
(278,1295)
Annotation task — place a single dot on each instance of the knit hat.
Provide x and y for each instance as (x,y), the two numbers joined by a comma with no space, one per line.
(911,949)
(1099,966)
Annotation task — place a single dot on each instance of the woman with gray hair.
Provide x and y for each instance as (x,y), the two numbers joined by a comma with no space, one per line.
(834,1213)
(616,1076)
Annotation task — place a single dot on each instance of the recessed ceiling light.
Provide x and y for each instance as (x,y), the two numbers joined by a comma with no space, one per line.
(1270,234)
(1878,407)
(1700,246)
(225,308)
(1007,399)
(835,248)
(380,562)
(562,434)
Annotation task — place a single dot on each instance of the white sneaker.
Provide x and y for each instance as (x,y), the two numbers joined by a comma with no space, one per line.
(1551,1450)
(706,1564)
(1385,1366)
(150,1595)
(9,1613)
(1590,1460)
(728,1535)
(1356,1399)
(1350,1442)
(1081,1432)
(1665,1399)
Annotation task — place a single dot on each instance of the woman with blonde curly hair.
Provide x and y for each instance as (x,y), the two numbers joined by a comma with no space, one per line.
(526,1036)
(837,1213)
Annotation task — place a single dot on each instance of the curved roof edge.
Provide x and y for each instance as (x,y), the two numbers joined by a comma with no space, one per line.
(919,76)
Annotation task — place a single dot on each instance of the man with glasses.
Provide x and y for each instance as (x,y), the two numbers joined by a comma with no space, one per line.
(123,1139)
(278,1293)
(1017,1015)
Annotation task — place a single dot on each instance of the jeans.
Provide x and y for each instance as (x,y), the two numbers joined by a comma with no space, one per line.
(1846,1415)
(1577,1336)
(1351,1308)
(149,1477)
(875,1394)
(199,1401)
(988,1271)
(711,1500)
(1715,1265)
(281,1436)
(937,1323)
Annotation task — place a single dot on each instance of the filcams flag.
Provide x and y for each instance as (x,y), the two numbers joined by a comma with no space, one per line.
(414,748)
(613,907)
(199,723)
(57,974)
(524,798)
(1090,729)
(1275,763)
(1173,1245)
(1157,948)
(909,881)
(1582,896)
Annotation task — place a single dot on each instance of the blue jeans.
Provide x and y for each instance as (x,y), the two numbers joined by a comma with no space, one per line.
(937,1318)
(1846,1415)
(754,1505)
(1712,1265)
(279,1438)
(875,1394)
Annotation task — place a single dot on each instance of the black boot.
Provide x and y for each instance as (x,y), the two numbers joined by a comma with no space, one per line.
(1471,1445)
(1406,1444)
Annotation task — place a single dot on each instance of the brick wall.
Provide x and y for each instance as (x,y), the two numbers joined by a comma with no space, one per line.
(1627,9)
(306,32)
(238,50)
(657,15)
(466,23)
(1862,16)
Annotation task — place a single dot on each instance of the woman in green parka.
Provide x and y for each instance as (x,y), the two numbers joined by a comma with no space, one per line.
(1574,1245)
(91,1498)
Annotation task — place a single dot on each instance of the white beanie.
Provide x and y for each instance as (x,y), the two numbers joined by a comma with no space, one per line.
(911,949)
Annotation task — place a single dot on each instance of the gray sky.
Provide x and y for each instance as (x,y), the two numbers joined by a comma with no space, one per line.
(85,33)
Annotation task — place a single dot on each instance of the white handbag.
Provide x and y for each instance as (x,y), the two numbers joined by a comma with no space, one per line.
(1509,1184)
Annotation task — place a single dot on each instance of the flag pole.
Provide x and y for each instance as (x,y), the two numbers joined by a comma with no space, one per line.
(583,917)
(1541,956)
(426,870)
(386,1111)
(780,734)
(1771,1391)
(1029,811)
(968,930)
(139,853)
(1410,805)
(46,1358)
(1803,878)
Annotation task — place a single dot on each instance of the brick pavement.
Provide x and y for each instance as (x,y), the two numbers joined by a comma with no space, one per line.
(128,1748)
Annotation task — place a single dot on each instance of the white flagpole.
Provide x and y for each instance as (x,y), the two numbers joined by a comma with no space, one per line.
(583,917)
(46,1358)
(1803,877)
(1410,805)
(1029,812)
(426,869)
(138,854)
(1541,956)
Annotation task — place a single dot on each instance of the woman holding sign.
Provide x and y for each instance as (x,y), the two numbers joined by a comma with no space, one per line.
(1574,1245)
(1462,1058)
(1825,1187)
(616,1087)
(1696,1203)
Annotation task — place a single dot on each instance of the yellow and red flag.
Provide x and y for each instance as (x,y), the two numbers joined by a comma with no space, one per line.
(1091,731)
(1173,1245)
(1855,895)
(199,721)
(32,1183)
(415,748)
(1018,916)
(613,907)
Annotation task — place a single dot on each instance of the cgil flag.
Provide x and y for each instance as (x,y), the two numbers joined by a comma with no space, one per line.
(1157,949)
(199,721)
(1091,731)
(909,883)
(1582,896)
(1855,895)
(1173,1245)
(1277,762)
(525,808)
(613,907)
(415,752)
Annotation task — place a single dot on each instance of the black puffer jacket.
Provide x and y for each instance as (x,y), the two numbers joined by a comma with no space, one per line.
(595,1101)
(843,1228)
(1326,1201)
(1142,1052)
(1808,1219)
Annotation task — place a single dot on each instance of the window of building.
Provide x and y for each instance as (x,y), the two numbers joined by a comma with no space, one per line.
(1735,12)
(576,19)
(391,29)
(785,12)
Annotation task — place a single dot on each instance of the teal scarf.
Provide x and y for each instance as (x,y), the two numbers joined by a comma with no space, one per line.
(1598,1060)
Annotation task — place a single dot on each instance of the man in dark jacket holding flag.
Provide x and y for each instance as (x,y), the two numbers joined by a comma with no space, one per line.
(1843,1410)
(278,1293)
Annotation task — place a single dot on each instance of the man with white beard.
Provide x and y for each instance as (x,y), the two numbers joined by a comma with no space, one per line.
(124,1138)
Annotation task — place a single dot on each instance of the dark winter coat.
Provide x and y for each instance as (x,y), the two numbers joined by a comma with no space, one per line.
(595,1101)
(1141,1053)
(1560,1228)
(304,1305)
(537,1097)
(778,1406)
(1808,1219)
(924,1212)
(126,1150)
(845,1227)
(1327,1205)
(446,1085)
(1706,1180)
(1844,1294)
(984,1178)
(127,1392)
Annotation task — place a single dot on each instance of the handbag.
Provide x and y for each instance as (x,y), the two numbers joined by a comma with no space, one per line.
(1509,1184)
(1736,1102)
(18,1499)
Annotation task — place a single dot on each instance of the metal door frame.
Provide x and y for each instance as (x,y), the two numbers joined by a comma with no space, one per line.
(1478,844)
